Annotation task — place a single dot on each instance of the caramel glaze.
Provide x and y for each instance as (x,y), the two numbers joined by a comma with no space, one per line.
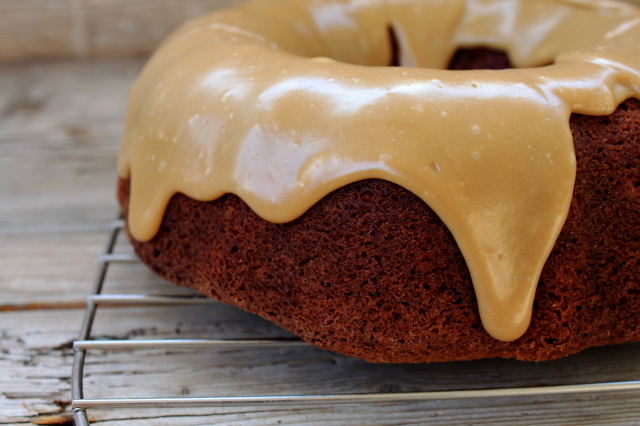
(281,102)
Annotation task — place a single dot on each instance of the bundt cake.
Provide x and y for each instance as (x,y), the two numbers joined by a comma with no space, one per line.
(400,181)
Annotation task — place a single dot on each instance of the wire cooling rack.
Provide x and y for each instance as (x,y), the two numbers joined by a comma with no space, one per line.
(86,343)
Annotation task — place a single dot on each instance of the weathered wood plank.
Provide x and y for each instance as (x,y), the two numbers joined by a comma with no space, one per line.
(91,28)
(49,270)
(35,352)
(60,130)
(35,379)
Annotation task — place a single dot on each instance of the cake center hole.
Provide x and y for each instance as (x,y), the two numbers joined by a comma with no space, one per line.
(473,58)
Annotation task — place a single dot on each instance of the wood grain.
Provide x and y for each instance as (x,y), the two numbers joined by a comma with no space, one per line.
(91,28)
(39,343)
(60,130)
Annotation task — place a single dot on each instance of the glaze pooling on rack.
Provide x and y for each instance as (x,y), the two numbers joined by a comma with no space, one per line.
(281,111)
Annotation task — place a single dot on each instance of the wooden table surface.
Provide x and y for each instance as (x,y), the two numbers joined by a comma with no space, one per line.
(60,125)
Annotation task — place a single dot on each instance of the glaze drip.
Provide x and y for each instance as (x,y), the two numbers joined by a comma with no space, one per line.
(282,111)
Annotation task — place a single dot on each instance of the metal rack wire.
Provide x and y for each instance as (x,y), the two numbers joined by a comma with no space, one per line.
(85,344)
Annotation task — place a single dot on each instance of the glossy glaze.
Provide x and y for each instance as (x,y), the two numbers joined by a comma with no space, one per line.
(247,101)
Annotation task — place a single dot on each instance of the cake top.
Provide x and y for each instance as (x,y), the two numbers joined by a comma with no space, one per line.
(282,101)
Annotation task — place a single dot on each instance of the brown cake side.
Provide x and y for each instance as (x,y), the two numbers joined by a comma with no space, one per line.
(370,271)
